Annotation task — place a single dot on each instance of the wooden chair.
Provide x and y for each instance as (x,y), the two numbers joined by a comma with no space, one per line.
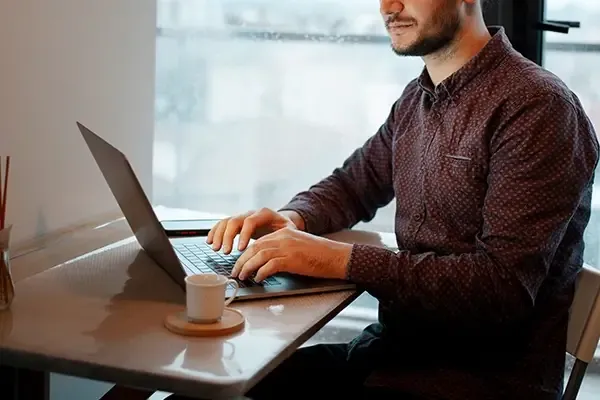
(584,328)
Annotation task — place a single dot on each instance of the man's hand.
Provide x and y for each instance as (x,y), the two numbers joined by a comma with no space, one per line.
(293,251)
(251,225)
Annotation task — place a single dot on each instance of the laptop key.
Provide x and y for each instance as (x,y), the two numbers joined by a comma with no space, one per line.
(272,281)
(188,270)
(206,260)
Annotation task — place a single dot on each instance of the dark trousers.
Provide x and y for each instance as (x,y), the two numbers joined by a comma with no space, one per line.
(327,371)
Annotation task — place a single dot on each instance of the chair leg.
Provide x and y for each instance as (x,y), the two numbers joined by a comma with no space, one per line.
(575,379)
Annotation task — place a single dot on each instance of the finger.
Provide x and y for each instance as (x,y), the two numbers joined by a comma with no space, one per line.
(211,233)
(261,258)
(250,225)
(272,267)
(218,235)
(231,230)
(244,257)
(260,244)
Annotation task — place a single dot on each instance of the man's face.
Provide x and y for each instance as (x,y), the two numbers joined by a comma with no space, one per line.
(421,27)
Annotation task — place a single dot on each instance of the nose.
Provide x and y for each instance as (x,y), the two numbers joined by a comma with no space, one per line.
(391,6)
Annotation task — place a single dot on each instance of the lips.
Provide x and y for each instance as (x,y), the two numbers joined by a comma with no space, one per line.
(398,26)
(397,21)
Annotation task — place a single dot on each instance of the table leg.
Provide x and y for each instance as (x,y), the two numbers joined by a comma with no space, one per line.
(24,384)
(118,392)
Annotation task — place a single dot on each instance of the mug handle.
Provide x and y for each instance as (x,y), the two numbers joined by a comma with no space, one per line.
(235,290)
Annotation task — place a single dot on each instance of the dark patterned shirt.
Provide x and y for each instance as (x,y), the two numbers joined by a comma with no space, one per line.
(492,173)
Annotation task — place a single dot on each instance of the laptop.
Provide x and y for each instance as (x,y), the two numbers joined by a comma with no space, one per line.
(180,257)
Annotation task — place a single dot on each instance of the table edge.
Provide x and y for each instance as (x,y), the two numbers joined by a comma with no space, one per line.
(225,387)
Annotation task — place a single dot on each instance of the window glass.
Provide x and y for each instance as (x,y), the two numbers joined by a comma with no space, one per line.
(258,99)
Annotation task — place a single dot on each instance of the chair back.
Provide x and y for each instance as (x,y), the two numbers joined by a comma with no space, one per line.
(584,321)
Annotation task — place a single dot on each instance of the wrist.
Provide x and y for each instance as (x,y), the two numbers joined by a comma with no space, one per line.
(296,219)
(342,259)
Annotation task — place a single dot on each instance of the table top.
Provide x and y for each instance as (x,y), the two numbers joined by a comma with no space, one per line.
(100,315)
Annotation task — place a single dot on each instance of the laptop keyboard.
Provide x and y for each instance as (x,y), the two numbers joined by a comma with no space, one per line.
(200,258)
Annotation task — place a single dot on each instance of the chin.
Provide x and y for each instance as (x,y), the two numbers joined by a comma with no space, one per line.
(403,43)
(401,48)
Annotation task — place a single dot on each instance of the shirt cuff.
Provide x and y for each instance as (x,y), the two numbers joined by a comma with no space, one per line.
(370,265)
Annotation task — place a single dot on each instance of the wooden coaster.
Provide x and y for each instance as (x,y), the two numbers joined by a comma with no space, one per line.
(232,321)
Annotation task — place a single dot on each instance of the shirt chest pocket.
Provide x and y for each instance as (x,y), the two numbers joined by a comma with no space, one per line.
(458,168)
(455,185)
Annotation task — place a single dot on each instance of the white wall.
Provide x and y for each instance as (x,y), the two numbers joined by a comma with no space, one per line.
(68,60)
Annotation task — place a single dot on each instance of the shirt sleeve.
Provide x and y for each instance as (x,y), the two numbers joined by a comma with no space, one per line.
(353,192)
(542,165)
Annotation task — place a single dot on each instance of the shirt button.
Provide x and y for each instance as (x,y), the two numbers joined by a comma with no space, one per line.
(419,217)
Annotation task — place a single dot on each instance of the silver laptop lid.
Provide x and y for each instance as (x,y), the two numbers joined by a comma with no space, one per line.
(134,204)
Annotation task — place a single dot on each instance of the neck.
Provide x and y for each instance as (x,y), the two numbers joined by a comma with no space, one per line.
(468,43)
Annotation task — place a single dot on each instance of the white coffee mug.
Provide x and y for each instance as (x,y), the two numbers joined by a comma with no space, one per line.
(205,297)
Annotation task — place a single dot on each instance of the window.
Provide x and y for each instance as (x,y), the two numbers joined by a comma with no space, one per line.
(258,99)
(575,58)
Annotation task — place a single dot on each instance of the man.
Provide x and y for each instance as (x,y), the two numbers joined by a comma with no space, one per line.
(491,161)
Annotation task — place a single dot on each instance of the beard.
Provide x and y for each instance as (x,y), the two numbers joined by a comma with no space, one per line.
(438,34)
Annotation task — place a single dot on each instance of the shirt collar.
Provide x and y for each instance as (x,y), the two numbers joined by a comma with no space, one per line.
(494,51)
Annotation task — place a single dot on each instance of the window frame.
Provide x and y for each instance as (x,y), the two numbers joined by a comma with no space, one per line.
(519,19)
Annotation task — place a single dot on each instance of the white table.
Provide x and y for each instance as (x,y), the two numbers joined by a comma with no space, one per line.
(95,306)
